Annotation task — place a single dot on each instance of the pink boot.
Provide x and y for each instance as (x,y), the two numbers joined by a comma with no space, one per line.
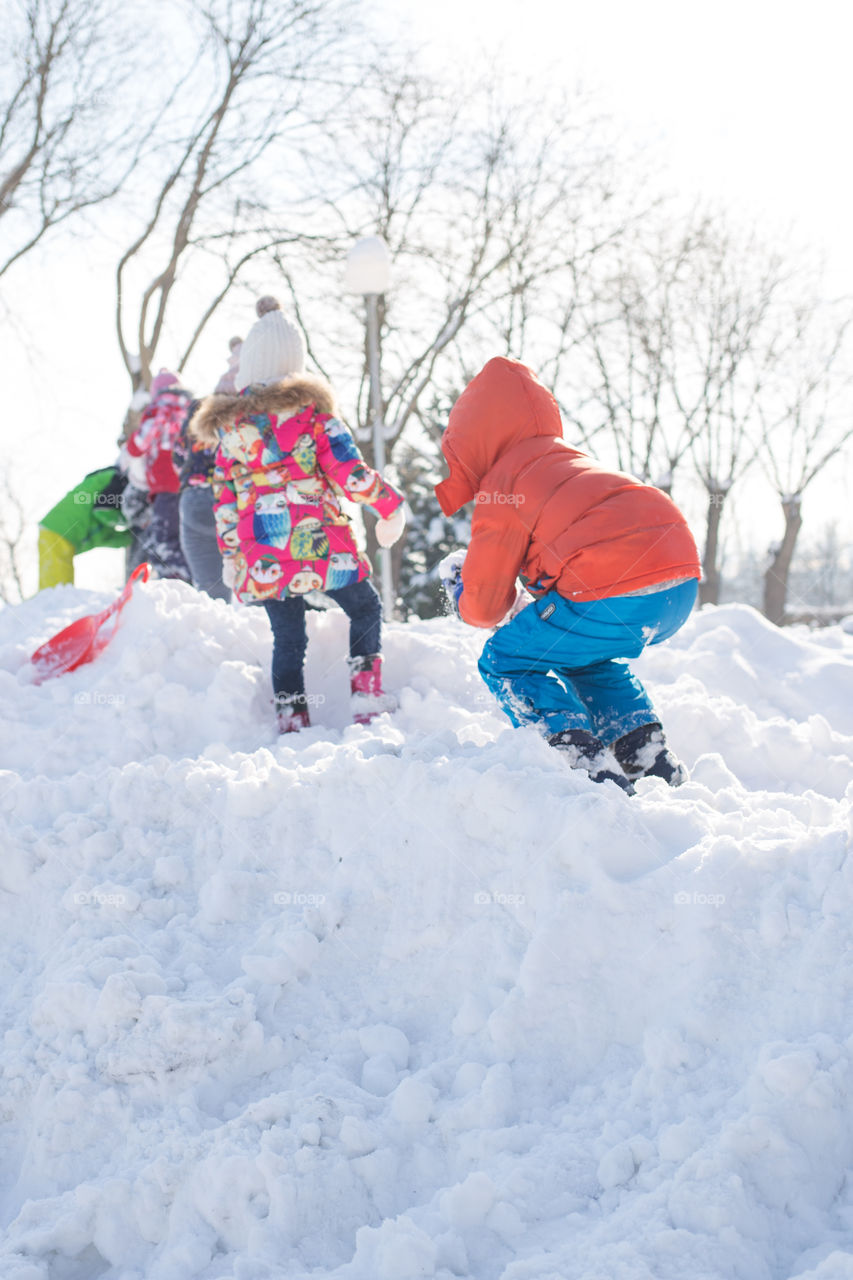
(368,699)
(291,712)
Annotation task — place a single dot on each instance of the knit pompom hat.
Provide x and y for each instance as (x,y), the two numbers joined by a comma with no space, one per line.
(162,381)
(273,348)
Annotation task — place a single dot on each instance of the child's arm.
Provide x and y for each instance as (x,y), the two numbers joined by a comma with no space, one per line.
(109,525)
(339,458)
(182,446)
(133,446)
(495,556)
(139,440)
(133,466)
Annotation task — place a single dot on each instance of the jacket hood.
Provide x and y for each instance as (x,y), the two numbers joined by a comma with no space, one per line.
(282,399)
(504,405)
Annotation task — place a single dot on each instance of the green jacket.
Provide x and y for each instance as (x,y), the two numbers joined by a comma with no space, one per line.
(90,514)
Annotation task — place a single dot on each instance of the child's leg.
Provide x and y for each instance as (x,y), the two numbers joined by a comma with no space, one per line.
(163,539)
(360,602)
(556,664)
(136,509)
(56,560)
(616,699)
(290,641)
(643,752)
(198,541)
(525,664)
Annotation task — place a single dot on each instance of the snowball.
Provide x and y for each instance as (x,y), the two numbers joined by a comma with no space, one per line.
(678,1141)
(789,1074)
(379,1074)
(617,1167)
(383,1039)
(468,1204)
(357,1137)
(412,1102)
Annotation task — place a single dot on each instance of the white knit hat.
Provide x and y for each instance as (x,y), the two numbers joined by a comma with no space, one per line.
(273,348)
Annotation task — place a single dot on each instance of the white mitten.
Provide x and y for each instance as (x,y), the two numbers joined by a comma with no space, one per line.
(450,572)
(135,470)
(450,568)
(389,530)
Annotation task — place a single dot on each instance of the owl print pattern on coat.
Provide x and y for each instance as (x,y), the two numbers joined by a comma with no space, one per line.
(283,465)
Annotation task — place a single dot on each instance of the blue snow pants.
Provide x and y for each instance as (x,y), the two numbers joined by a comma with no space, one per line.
(556,664)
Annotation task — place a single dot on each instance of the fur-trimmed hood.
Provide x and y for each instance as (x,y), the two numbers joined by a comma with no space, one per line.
(281,399)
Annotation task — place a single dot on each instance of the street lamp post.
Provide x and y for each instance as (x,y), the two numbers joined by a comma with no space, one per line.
(368,272)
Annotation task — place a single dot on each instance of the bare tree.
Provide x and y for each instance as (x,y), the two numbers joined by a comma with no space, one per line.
(483,200)
(677,345)
(626,317)
(807,419)
(231,140)
(65,144)
(730,352)
(819,578)
(488,203)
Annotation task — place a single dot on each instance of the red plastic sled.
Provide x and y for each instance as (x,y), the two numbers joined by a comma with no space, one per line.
(85,638)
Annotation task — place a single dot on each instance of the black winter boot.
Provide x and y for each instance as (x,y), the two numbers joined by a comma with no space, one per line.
(584,751)
(643,753)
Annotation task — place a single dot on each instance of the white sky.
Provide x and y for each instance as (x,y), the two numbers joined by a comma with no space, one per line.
(751,103)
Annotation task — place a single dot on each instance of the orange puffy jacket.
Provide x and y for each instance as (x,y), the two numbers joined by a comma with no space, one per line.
(544,511)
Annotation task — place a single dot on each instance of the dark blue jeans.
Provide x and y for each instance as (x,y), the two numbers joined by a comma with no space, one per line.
(359,601)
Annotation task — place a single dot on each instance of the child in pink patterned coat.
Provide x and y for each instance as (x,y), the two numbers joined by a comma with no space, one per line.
(284,458)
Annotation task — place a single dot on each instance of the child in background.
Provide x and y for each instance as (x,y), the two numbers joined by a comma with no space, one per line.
(153,442)
(284,456)
(89,516)
(610,562)
(227,384)
(197,463)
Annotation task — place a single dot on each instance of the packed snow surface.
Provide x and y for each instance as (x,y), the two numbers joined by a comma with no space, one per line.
(413,1000)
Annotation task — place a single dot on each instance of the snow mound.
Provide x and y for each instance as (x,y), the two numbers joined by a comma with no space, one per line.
(410,1000)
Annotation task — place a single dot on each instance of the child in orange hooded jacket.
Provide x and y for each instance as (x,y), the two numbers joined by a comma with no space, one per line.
(609,561)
